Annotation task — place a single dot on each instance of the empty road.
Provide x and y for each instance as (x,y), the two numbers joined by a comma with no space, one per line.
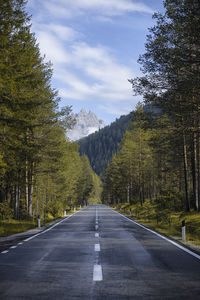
(98,254)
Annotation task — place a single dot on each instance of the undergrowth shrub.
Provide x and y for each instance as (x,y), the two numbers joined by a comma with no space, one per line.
(6,212)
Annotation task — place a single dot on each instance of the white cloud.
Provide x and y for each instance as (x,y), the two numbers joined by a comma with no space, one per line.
(62,32)
(84,72)
(87,73)
(92,73)
(57,9)
(52,47)
(72,94)
(110,7)
(51,38)
(107,8)
(100,65)
(85,52)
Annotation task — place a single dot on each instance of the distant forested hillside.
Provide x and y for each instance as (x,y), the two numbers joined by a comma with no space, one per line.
(101,145)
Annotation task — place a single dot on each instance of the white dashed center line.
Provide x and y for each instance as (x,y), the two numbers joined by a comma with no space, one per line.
(97,247)
(4,252)
(97,273)
(13,247)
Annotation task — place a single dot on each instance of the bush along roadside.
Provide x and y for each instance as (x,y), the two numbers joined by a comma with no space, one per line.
(165,221)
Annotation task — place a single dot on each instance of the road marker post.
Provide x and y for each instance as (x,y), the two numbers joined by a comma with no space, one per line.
(130,212)
(183,231)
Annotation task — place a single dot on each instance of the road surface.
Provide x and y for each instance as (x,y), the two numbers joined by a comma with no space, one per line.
(98,254)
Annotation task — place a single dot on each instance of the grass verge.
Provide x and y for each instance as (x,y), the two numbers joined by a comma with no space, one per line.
(165,221)
(9,227)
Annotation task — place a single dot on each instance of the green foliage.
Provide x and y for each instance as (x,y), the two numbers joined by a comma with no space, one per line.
(55,208)
(171,81)
(130,170)
(6,212)
(95,195)
(146,168)
(100,146)
(166,220)
(8,227)
(169,200)
(41,173)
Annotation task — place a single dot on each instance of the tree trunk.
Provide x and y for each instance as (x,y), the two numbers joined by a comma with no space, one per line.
(140,170)
(17,201)
(195,171)
(187,201)
(30,189)
(198,163)
(26,188)
(128,191)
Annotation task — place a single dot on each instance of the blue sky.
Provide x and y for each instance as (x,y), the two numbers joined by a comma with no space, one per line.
(94,46)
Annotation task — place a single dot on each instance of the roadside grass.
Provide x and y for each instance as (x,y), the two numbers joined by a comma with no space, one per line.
(11,226)
(8,227)
(165,221)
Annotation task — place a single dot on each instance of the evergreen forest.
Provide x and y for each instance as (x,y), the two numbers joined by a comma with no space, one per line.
(157,169)
(41,172)
(103,144)
(148,161)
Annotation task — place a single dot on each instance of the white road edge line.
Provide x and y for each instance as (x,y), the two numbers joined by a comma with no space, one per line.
(96,227)
(161,236)
(97,273)
(42,232)
(13,247)
(4,252)
(97,247)
(97,235)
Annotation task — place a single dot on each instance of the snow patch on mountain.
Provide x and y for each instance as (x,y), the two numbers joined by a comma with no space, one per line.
(86,123)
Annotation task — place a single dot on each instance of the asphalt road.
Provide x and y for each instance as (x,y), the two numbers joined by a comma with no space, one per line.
(98,254)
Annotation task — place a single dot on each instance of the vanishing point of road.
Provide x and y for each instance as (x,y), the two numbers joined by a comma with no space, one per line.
(97,253)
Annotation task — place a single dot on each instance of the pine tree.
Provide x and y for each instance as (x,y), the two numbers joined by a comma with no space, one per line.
(29,106)
(172,77)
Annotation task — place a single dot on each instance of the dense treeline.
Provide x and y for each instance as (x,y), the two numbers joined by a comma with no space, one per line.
(40,171)
(160,158)
(100,146)
(146,166)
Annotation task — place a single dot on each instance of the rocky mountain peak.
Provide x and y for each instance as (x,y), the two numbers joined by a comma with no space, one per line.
(87,123)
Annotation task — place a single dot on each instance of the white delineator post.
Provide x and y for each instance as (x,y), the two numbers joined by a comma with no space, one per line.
(183,231)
